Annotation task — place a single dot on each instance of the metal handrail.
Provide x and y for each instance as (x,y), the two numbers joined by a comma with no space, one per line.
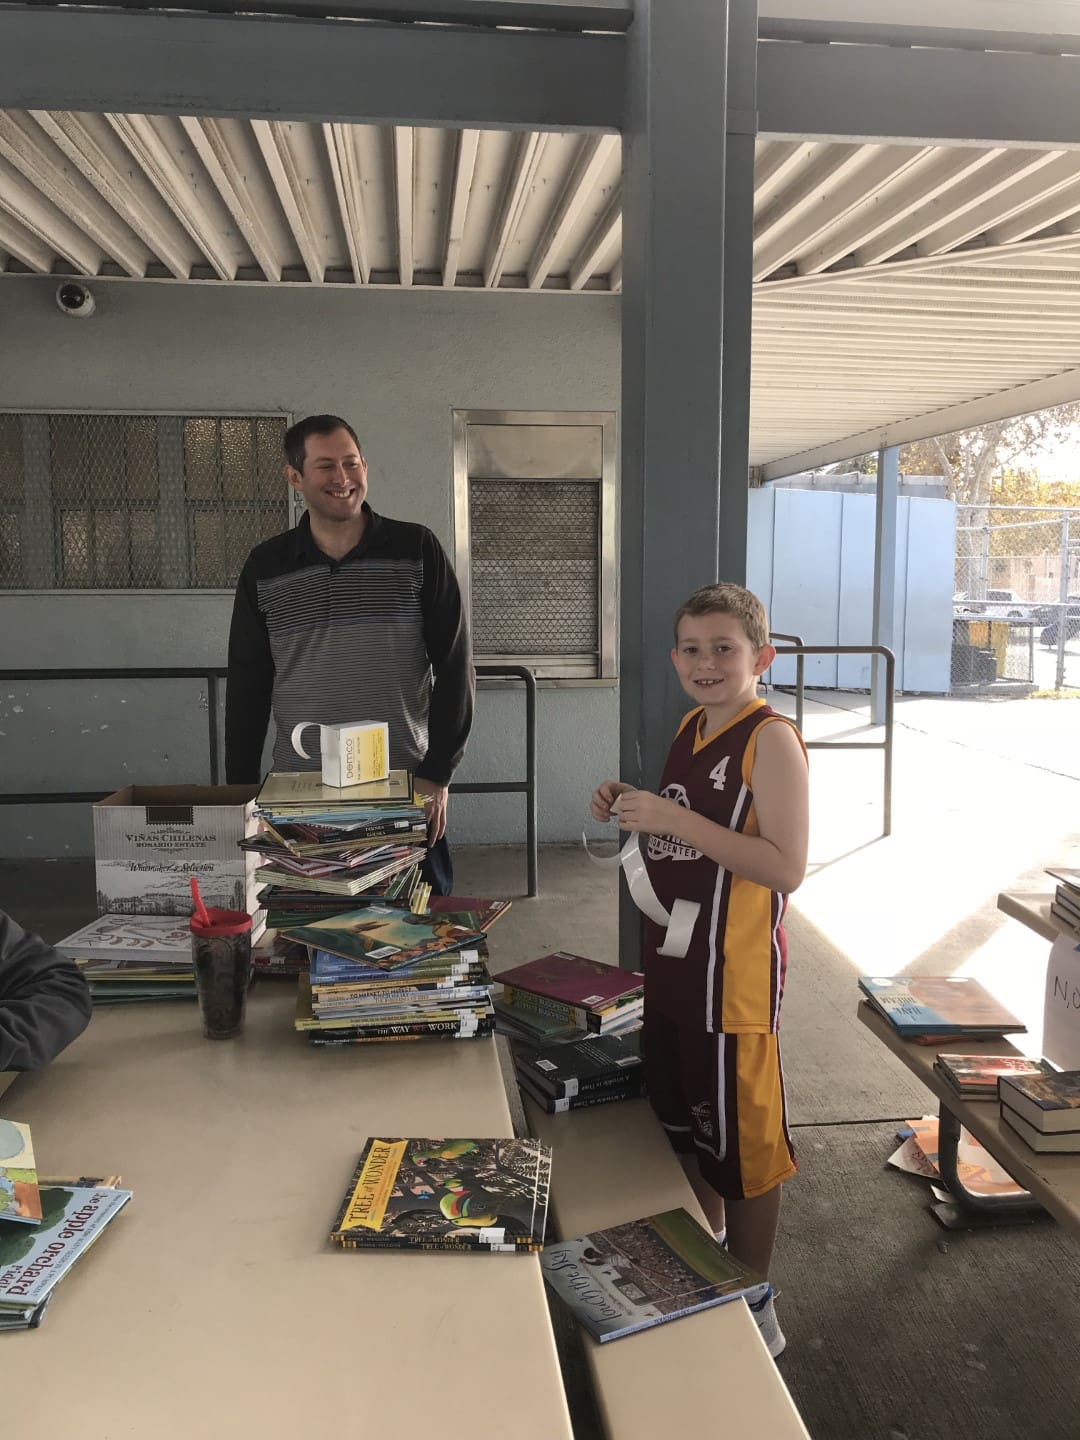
(212,675)
(887,744)
(800,670)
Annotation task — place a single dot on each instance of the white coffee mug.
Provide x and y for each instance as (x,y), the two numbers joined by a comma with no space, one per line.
(353,753)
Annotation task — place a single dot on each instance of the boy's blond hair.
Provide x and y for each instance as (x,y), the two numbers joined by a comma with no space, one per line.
(726,598)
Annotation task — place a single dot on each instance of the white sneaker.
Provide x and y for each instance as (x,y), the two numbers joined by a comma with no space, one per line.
(764,1312)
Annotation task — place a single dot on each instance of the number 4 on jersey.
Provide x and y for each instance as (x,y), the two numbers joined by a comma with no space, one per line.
(719,772)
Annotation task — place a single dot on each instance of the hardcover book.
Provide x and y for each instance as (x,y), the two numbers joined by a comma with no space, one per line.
(20,1198)
(447,1195)
(165,938)
(578,1068)
(923,1005)
(383,935)
(469,910)
(32,1261)
(644,1273)
(283,791)
(632,1088)
(574,980)
(1063,1142)
(1049,1103)
(977,1075)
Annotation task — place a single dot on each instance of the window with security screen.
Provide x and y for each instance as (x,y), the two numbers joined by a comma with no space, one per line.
(534,510)
(136,502)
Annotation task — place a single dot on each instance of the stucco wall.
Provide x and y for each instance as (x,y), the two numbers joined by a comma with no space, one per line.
(396,364)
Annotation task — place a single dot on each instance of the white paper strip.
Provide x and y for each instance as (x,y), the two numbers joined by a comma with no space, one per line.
(679,925)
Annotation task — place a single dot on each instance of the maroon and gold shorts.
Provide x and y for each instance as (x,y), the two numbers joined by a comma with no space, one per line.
(721,1097)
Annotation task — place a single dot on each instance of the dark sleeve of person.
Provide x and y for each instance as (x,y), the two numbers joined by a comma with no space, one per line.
(44,1000)
(447,639)
(250,685)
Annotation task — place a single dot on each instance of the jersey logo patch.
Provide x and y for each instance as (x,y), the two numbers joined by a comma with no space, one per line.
(666,847)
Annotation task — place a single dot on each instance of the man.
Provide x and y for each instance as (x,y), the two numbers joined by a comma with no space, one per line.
(350,616)
(44,1000)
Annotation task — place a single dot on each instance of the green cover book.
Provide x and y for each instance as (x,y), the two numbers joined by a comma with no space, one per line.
(644,1273)
(383,935)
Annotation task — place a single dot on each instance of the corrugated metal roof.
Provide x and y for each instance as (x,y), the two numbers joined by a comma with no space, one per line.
(889,280)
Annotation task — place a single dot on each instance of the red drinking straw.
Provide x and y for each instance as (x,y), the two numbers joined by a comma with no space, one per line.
(200,908)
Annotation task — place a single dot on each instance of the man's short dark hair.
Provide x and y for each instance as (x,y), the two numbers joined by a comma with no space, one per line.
(296,437)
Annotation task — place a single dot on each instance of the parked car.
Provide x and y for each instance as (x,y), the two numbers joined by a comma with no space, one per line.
(997,605)
(1051,631)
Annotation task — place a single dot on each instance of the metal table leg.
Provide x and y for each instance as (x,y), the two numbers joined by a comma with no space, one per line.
(970,1207)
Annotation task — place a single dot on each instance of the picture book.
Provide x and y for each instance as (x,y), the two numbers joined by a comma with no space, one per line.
(976,1167)
(20,1198)
(157,937)
(1062,1142)
(644,1273)
(447,1195)
(574,980)
(33,1260)
(1050,1103)
(469,909)
(1068,877)
(944,1005)
(977,1075)
(383,935)
(285,790)
(583,1066)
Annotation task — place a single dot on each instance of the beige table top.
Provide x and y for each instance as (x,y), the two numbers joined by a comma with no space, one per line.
(703,1374)
(213,1306)
(1033,910)
(1054,1180)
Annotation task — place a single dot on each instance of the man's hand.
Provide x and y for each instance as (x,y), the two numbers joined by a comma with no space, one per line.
(649,814)
(436,797)
(604,797)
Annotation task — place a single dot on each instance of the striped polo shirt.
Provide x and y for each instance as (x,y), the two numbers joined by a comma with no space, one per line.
(377,635)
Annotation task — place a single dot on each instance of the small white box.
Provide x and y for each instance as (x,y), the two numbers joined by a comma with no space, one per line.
(353,753)
(148,839)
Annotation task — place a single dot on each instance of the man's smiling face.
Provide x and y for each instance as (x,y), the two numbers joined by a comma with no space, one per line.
(333,481)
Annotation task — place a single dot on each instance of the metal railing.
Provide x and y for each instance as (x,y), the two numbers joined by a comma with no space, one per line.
(886,745)
(212,676)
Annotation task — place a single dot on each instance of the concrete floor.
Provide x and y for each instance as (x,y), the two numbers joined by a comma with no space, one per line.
(972,816)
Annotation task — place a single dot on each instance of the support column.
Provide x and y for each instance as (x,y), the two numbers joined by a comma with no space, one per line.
(888,485)
(742,125)
(674,161)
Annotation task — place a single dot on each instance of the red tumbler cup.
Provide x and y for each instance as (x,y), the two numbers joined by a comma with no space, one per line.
(221,954)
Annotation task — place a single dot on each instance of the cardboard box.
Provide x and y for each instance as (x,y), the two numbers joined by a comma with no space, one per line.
(148,839)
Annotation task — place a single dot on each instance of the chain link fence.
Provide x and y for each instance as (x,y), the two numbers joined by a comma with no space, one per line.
(136,502)
(1016,607)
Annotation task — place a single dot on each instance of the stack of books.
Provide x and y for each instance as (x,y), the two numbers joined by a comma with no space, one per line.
(1065,906)
(321,843)
(381,973)
(975,1077)
(932,1008)
(562,996)
(597,1070)
(1043,1109)
(644,1273)
(132,959)
(486,1195)
(45,1226)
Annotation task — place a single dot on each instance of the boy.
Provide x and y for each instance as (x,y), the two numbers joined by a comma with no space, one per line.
(729,831)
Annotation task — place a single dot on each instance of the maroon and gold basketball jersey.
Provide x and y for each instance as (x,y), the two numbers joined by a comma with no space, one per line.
(732,976)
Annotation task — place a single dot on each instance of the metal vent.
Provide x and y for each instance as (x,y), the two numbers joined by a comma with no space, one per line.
(136,502)
(534,520)
(535,566)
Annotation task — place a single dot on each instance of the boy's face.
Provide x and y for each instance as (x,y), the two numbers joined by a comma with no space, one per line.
(715,661)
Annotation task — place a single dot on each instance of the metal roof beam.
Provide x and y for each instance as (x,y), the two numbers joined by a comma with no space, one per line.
(291,188)
(466,144)
(599,238)
(134,62)
(594,152)
(404,152)
(882,93)
(349,186)
(212,147)
(529,151)
(26,204)
(1039,395)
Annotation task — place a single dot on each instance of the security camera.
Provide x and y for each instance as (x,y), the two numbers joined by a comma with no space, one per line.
(75,299)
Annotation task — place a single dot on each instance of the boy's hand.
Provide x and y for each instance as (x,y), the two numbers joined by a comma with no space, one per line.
(604,796)
(649,814)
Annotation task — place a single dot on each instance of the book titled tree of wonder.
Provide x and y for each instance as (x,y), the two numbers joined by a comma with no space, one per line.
(447,1195)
